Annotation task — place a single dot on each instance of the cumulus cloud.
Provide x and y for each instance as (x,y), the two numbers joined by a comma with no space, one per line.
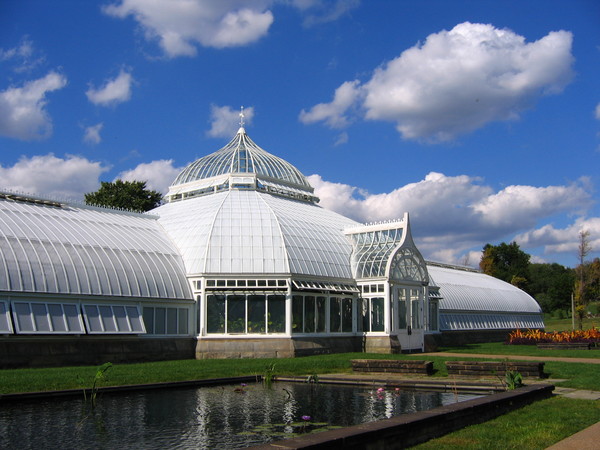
(333,114)
(158,175)
(22,109)
(452,214)
(225,120)
(562,240)
(460,80)
(68,177)
(92,134)
(115,91)
(180,25)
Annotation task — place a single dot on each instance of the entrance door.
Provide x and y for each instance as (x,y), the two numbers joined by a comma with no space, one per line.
(408,317)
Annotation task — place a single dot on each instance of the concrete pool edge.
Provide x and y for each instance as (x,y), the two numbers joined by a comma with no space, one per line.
(412,429)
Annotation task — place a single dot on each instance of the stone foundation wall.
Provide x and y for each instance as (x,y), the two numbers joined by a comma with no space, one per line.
(381,344)
(18,352)
(214,348)
(275,347)
(455,338)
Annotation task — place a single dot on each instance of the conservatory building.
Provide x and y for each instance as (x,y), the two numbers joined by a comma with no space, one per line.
(240,261)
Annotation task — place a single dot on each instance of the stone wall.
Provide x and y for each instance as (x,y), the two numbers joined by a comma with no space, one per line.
(456,338)
(275,347)
(18,352)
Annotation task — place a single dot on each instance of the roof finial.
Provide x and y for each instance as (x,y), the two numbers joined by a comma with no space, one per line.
(242,117)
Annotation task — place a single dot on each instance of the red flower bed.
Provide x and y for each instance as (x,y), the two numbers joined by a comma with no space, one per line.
(532,337)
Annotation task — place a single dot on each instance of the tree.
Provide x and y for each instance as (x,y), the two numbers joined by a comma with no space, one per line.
(506,262)
(131,195)
(581,284)
(551,285)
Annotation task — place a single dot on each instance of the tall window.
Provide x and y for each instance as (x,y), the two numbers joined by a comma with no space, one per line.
(309,314)
(340,315)
(433,315)
(160,320)
(245,314)
(416,309)
(402,309)
(373,314)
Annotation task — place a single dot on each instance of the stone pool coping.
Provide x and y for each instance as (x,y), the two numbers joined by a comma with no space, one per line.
(412,429)
(129,387)
(461,385)
(450,384)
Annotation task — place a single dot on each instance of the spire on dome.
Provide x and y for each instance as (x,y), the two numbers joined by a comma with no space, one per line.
(241,130)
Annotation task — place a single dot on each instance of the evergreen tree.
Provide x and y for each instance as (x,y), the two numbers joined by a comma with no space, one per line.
(132,195)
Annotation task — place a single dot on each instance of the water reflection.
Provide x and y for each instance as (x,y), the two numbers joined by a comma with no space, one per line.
(206,418)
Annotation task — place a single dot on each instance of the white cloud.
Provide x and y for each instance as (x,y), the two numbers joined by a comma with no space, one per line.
(341,139)
(158,175)
(22,109)
(225,121)
(523,204)
(23,55)
(48,175)
(92,134)
(333,114)
(597,111)
(452,215)
(459,80)
(562,240)
(181,25)
(113,92)
(324,11)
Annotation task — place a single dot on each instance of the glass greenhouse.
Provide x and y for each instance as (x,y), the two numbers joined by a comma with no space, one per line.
(242,259)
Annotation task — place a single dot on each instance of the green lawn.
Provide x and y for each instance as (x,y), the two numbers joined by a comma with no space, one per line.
(536,426)
(567,324)
(499,348)
(578,375)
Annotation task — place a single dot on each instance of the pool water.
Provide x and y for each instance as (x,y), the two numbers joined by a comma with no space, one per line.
(223,417)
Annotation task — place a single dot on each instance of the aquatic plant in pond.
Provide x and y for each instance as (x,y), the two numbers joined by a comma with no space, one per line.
(101,375)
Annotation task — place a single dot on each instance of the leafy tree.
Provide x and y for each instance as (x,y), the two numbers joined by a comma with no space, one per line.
(132,195)
(506,262)
(551,285)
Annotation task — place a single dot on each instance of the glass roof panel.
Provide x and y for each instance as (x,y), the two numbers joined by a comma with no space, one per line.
(242,155)
(83,250)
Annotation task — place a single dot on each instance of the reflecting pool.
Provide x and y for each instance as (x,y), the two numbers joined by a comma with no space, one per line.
(223,417)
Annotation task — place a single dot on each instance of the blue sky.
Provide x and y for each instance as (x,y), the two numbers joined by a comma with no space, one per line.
(480,118)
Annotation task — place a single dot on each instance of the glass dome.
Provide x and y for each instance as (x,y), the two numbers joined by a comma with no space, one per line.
(242,156)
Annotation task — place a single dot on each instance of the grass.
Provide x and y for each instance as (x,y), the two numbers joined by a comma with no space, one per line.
(535,426)
(567,324)
(579,375)
(499,348)
(58,378)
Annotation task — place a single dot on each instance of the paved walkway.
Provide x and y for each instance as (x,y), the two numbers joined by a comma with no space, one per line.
(517,357)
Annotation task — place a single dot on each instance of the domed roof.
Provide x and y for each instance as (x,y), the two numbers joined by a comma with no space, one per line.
(242,156)
(241,231)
